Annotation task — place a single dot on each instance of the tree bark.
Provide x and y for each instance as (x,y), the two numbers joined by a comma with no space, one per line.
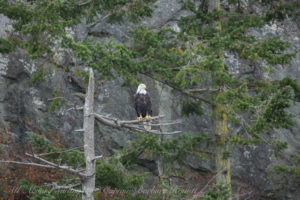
(88,184)
(213,5)
(160,168)
(221,122)
(221,131)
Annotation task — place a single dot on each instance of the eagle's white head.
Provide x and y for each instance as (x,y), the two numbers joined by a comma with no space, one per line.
(141,89)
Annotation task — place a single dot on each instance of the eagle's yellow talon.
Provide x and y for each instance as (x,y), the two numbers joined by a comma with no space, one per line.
(140,118)
(147,117)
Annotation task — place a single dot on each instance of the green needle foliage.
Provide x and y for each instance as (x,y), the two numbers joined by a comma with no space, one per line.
(44,22)
(172,151)
(43,193)
(112,174)
(39,75)
(192,58)
(6,46)
(109,173)
(218,191)
(57,101)
(74,158)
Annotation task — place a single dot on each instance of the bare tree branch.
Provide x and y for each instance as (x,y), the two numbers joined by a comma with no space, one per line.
(200,193)
(45,154)
(79,130)
(26,163)
(203,90)
(83,3)
(97,157)
(62,167)
(142,130)
(238,196)
(166,123)
(121,122)
(116,123)
(51,99)
(74,108)
(64,187)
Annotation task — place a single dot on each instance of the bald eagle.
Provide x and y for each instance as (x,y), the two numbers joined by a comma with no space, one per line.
(142,105)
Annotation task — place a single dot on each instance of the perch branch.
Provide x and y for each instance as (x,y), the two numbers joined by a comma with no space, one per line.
(166,123)
(136,121)
(117,123)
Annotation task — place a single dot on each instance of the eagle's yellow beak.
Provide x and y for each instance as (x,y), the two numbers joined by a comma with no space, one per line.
(144,86)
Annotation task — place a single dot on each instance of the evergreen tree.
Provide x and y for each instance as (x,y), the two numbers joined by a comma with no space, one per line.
(190,61)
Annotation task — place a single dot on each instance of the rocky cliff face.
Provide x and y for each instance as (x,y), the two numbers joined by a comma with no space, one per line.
(24,105)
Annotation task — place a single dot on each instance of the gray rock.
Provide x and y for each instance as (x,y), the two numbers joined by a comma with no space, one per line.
(24,105)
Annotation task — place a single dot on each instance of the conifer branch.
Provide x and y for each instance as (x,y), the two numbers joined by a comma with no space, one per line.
(183,91)
(246,126)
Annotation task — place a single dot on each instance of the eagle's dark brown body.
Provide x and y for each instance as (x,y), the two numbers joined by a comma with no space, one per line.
(142,105)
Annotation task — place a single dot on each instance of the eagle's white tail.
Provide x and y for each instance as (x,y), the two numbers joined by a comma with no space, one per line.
(147,126)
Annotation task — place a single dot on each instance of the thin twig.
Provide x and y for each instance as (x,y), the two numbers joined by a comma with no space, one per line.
(74,108)
(83,3)
(183,91)
(243,194)
(246,126)
(98,157)
(200,193)
(166,123)
(64,187)
(51,99)
(45,154)
(203,90)
(26,163)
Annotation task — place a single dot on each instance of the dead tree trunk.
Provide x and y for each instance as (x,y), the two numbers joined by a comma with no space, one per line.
(88,184)
(88,175)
